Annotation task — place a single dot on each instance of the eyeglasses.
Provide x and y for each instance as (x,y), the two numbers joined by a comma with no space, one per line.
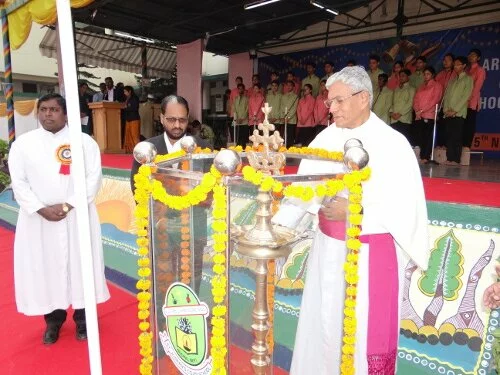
(339,100)
(173,120)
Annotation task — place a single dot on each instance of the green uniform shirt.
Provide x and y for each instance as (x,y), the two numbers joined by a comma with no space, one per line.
(416,79)
(374,78)
(274,101)
(314,81)
(402,103)
(382,102)
(458,94)
(289,102)
(240,109)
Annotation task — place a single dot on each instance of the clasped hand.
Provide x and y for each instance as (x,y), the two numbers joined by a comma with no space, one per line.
(335,209)
(53,213)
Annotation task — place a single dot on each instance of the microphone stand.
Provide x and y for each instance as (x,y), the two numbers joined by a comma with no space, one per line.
(286,125)
(432,161)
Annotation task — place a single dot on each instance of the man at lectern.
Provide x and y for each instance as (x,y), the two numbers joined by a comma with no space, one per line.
(47,271)
(394,229)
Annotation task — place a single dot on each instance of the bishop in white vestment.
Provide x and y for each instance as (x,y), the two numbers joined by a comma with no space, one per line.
(394,228)
(47,272)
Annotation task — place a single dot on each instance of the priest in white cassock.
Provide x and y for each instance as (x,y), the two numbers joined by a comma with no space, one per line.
(394,228)
(47,272)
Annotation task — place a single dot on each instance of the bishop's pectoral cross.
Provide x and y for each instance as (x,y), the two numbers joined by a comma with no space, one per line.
(266,162)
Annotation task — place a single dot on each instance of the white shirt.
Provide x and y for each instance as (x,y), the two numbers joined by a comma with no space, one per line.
(172,147)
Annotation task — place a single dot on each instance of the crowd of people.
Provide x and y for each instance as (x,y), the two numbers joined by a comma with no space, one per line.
(410,99)
(136,118)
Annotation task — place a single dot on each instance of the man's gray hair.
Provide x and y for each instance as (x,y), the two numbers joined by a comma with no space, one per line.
(355,77)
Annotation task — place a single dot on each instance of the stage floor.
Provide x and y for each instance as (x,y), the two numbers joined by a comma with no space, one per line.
(486,171)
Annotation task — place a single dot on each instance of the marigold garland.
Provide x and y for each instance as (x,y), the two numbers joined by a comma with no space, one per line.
(219,281)
(141,195)
(185,248)
(211,182)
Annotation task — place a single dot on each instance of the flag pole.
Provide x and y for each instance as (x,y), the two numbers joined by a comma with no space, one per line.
(67,43)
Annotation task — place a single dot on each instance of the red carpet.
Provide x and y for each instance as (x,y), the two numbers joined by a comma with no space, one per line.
(21,348)
(462,191)
(122,161)
(22,351)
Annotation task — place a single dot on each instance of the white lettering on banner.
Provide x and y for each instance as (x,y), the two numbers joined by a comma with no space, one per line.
(491,64)
(490,103)
(201,309)
(205,368)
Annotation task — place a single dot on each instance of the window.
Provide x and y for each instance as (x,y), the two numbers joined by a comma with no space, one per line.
(31,88)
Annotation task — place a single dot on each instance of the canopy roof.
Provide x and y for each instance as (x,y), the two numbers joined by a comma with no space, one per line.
(114,53)
(225,25)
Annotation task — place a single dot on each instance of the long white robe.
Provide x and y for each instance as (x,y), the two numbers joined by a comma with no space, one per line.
(393,202)
(47,270)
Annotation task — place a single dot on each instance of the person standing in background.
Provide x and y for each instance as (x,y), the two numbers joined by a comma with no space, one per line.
(374,71)
(311,79)
(255,103)
(382,101)
(393,82)
(240,116)
(402,107)
(321,113)
(427,97)
(99,95)
(132,119)
(305,117)
(417,77)
(455,104)
(289,102)
(329,70)
(478,75)
(273,98)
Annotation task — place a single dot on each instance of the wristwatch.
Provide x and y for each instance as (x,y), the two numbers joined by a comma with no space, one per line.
(65,208)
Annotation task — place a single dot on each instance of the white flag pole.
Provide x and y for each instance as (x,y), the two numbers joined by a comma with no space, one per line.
(66,42)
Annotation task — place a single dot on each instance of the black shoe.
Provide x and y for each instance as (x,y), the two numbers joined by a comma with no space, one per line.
(51,334)
(81,332)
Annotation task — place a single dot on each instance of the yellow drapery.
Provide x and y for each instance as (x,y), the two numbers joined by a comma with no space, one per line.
(42,12)
(22,107)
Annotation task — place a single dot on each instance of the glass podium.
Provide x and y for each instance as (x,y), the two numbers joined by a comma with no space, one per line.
(262,293)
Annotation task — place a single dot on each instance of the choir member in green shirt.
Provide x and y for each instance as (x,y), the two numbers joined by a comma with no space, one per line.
(417,78)
(402,103)
(274,77)
(289,102)
(329,70)
(273,98)
(382,101)
(240,116)
(455,103)
(311,79)
(374,70)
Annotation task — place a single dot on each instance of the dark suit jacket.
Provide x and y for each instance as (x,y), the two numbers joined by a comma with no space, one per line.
(161,148)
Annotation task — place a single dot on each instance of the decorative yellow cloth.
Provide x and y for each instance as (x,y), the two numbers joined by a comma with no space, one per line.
(42,12)
(23,107)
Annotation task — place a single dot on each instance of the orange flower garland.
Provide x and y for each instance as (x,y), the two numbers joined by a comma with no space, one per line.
(185,248)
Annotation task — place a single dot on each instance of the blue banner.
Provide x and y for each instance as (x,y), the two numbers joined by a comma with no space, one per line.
(434,45)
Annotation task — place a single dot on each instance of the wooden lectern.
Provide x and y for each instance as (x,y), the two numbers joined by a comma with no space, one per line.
(107,126)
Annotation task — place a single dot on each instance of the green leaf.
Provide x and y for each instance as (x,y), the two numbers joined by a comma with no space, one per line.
(445,267)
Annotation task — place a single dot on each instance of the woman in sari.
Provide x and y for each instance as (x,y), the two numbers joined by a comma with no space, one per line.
(132,119)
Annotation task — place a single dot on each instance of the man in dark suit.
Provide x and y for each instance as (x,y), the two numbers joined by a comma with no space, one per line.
(174,118)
